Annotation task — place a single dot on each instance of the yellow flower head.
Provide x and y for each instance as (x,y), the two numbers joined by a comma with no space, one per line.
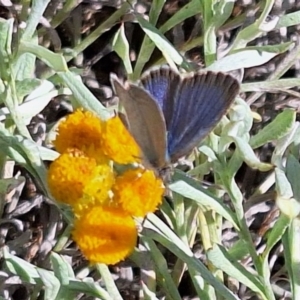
(99,139)
(98,190)
(105,235)
(138,191)
(71,173)
(81,130)
(118,144)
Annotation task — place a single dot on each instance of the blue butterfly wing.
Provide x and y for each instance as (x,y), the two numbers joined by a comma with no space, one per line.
(192,105)
(162,85)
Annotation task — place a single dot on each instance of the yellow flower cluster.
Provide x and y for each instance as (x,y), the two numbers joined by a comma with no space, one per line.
(104,201)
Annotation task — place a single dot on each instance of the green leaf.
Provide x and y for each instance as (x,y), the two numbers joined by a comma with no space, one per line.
(37,10)
(155,229)
(2,89)
(239,250)
(190,9)
(223,10)
(191,189)
(167,49)
(240,112)
(37,100)
(294,148)
(89,287)
(10,101)
(55,61)
(161,269)
(47,154)
(62,270)
(257,28)
(25,152)
(113,19)
(290,207)
(287,255)
(282,144)
(51,284)
(198,282)
(215,14)
(220,258)
(283,186)
(25,86)
(168,213)
(209,32)
(292,173)
(121,46)
(293,239)
(155,10)
(147,47)
(24,65)
(277,48)
(289,20)
(276,234)
(248,155)
(26,271)
(233,165)
(83,96)
(278,128)
(109,281)
(242,59)
(6,30)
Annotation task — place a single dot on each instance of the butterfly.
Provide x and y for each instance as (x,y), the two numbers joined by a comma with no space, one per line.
(168,114)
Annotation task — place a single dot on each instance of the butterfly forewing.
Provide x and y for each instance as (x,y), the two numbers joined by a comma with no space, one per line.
(202,101)
(162,84)
(145,120)
(192,105)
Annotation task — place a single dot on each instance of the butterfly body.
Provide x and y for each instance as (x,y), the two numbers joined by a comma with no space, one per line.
(169,114)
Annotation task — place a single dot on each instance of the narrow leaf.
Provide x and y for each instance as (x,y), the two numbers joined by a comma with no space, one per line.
(242,59)
(220,258)
(121,46)
(279,127)
(191,189)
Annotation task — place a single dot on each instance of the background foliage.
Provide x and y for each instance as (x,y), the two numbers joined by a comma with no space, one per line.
(216,241)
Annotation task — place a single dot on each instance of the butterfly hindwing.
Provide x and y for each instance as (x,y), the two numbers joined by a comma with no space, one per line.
(145,120)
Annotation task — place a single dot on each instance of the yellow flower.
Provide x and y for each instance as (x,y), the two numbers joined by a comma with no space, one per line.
(118,144)
(72,172)
(98,190)
(99,139)
(105,235)
(138,191)
(81,130)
